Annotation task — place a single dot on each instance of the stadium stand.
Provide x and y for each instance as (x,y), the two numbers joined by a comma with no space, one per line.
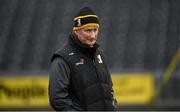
(136,35)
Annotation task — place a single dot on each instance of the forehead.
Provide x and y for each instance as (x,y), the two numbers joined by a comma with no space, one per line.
(90,27)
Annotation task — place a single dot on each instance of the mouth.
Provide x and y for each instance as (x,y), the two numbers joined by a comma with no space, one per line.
(92,41)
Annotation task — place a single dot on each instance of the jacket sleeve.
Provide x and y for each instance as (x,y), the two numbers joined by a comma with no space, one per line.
(59,81)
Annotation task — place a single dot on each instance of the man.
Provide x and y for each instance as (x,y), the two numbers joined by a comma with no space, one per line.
(79,78)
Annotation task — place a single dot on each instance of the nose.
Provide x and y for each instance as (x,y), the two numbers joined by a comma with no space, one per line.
(93,34)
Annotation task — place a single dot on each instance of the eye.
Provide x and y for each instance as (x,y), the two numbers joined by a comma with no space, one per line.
(95,30)
(88,30)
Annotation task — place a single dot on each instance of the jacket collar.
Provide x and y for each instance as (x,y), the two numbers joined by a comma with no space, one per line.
(82,47)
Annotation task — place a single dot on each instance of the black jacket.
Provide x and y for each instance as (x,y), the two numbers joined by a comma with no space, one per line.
(79,79)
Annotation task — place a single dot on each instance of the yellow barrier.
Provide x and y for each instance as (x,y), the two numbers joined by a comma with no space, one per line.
(32,92)
(133,88)
(23,92)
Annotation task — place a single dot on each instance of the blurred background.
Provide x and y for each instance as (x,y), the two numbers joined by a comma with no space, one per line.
(140,38)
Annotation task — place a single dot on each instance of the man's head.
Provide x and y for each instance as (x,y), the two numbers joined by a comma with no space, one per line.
(86,26)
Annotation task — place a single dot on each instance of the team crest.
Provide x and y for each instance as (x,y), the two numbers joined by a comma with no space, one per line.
(99,58)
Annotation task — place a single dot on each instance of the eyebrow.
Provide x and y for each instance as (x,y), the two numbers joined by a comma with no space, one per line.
(91,29)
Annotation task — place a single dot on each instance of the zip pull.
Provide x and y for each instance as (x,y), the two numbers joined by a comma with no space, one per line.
(94,62)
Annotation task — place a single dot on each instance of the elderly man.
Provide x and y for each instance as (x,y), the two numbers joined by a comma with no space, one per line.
(79,78)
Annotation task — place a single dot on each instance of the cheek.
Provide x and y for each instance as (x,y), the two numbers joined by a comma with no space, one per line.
(84,36)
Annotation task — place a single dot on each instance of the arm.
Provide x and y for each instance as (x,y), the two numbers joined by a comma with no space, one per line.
(59,81)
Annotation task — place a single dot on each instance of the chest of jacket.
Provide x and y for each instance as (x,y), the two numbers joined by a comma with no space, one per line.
(87,71)
(90,79)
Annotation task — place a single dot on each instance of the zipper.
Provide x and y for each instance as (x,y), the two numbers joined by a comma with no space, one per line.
(99,82)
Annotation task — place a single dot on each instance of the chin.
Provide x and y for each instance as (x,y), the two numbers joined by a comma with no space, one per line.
(91,46)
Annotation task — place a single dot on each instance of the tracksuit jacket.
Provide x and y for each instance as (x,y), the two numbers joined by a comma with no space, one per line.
(79,78)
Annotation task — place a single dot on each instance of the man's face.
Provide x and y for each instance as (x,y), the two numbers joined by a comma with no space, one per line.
(88,35)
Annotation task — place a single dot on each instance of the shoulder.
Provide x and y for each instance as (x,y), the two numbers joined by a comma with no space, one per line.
(59,52)
(58,61)
(62,52)
(100,51)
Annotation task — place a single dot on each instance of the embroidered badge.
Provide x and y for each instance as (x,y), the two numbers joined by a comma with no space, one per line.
(99,58)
